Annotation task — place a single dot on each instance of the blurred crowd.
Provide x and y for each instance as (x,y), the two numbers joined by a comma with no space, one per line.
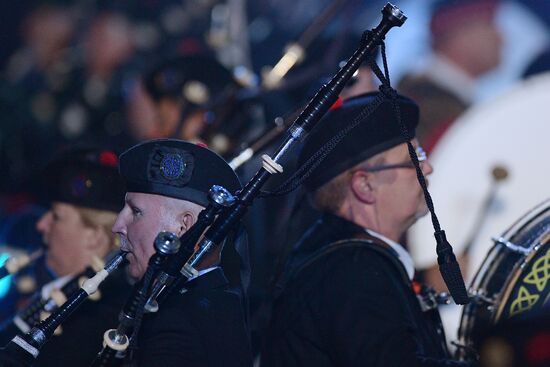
(114,73)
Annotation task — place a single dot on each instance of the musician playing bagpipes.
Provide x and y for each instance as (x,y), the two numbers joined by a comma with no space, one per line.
(85,192)
(348,296)
(202,322)
(194,97)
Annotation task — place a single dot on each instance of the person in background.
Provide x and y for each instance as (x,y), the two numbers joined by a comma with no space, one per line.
(194,99)
(466,44)
(85,191)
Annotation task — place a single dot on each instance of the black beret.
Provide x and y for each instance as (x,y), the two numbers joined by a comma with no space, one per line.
(86,177)
(177,169)
(197,79)
(375,134)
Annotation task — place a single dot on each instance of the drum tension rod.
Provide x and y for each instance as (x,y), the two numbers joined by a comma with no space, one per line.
(481,295)
(513,247)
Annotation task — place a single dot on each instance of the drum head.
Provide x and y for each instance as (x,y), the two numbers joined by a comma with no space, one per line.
(510,131)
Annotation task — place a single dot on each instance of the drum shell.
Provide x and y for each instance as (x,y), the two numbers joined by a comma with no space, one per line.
(497,287)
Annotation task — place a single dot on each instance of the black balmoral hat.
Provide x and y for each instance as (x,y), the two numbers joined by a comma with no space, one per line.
(177,169)
(86,177)
(378,132)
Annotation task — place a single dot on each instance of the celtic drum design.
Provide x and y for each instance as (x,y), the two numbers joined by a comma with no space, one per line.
(514,279)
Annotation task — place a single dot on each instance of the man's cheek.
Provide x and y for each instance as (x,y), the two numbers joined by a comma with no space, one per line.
(131,258)
(134,271)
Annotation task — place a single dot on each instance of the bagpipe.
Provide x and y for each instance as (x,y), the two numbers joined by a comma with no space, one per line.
(16,263)
(50,298)
(225,210)
(22,350)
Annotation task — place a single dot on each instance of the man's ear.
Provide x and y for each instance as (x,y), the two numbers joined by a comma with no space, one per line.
(362,187)
(185,220)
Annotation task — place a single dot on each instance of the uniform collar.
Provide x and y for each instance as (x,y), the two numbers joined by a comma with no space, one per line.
(210,278)
(400,251)
(202,272)
(447,75)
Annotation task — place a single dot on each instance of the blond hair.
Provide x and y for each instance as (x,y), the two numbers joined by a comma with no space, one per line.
(102,219)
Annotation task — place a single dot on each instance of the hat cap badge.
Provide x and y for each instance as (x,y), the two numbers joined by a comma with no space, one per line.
(172,166)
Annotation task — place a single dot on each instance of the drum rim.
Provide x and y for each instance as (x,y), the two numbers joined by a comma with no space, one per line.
(495,251)
(527,218)
(476,288)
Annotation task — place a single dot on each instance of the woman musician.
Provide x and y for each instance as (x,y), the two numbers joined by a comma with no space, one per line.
(85,192)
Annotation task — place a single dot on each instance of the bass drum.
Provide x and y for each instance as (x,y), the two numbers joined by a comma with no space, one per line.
(513,280)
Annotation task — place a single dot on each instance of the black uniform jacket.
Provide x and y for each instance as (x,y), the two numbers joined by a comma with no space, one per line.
(354,306)
(203,326)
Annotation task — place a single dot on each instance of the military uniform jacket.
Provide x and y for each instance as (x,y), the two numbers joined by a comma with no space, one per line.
(202,326)
(354,306)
